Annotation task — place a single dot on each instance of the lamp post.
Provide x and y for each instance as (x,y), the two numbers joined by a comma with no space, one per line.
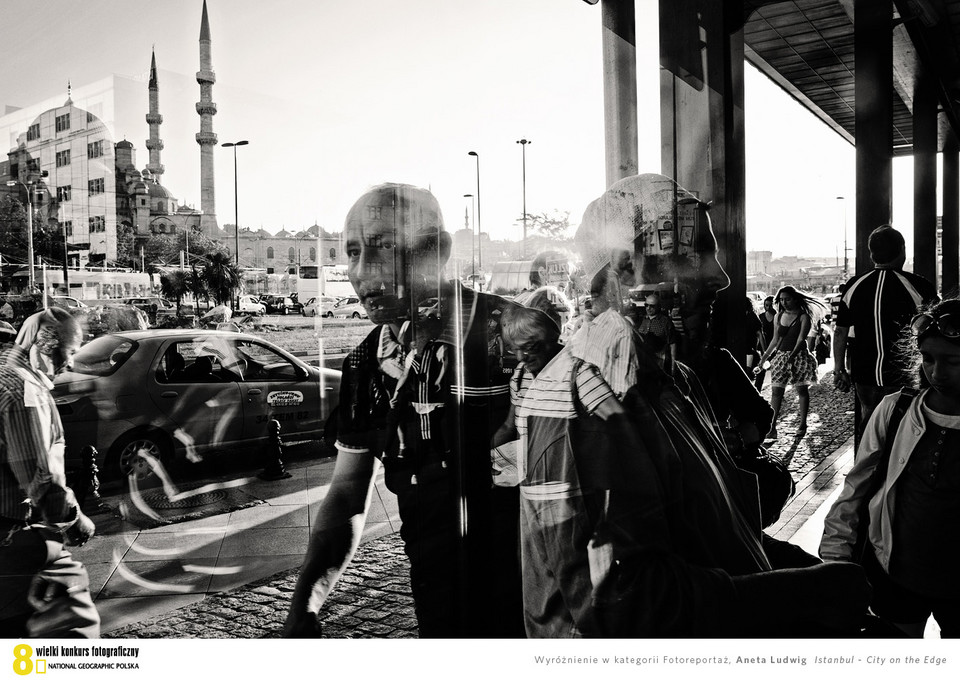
(473,243)
(846,261)
(523,147)
(28,188)
(236,211)
(477,220)
(236,215)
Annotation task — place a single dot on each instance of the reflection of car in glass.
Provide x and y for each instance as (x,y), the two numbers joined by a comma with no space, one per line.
(350,308)
(155,307)
(67,302)
(249,304)
(279,304)
(322,306)
(143,397)
(428,307)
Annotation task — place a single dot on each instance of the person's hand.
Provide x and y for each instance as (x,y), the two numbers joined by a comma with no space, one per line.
(80,531)
(841,380)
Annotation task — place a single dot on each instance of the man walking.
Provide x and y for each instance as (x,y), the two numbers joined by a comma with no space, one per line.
(422,397)
(874,309)
(656,329)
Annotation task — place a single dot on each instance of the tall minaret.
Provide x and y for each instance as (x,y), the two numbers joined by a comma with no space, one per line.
(154,144)
(206,138)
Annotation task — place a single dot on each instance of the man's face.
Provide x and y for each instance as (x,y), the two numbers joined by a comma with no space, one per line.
(392,267)
(58,345)
(693,268)
(652,306)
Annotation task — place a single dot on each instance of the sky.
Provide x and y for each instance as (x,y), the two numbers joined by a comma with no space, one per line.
(335,97)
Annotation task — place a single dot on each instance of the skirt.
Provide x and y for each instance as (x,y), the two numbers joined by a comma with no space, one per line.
(800,371)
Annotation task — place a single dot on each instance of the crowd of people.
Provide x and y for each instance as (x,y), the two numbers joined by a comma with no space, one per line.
(583,475)
(626,512)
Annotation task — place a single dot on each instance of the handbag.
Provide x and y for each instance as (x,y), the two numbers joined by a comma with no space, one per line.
(879,473)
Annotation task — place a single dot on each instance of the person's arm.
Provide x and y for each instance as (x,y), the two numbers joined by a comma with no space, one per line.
(37,464)
(334,538)
(507,432)
(801,343)
(772,346)
(841,378)
(840,526)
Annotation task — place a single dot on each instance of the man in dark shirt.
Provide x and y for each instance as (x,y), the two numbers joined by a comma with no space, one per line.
(875,308)
(422,397)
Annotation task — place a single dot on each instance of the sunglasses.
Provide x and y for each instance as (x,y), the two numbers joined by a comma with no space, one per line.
(947,324)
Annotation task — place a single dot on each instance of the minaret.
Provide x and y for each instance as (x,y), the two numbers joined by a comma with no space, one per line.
(154,144)
(206,138)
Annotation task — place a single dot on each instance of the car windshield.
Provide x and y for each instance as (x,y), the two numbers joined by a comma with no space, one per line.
(103,355)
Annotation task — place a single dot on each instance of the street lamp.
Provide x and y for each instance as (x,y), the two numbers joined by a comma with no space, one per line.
(479,228)
(28,187)
(523,146)
(473,243)
(846,261)
(236,216)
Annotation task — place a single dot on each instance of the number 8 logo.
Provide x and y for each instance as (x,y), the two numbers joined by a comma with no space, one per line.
(22,665)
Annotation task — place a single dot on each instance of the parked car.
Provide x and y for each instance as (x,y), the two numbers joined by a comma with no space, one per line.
(156,308)
(249,304)
(322,306)
(279,304)
(143,398)
(349,308)
(67,302)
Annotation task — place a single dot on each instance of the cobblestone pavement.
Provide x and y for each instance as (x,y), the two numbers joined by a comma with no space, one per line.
(372,599)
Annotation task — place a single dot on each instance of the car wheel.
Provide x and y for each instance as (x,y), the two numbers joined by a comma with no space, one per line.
(328,315)
(356,315)
(284,312)
(138,454)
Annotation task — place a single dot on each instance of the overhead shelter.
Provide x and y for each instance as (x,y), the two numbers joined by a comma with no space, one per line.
(883,74)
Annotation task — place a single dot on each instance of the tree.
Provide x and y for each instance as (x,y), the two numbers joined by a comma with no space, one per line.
(127,246)
(13,228)
(555,226)
(222,277)
(175,284)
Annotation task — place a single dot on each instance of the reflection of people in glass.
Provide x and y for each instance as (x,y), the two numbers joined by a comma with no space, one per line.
(406,391)
(698,533)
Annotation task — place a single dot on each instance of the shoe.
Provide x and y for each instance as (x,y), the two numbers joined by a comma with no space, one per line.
(801,431)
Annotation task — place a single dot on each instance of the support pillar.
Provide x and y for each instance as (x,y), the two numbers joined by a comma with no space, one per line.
(620,88)
(925,178)
(950,224)
(702,130)
(873,51)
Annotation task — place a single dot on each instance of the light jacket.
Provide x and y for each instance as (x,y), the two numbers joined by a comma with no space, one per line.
(841,524)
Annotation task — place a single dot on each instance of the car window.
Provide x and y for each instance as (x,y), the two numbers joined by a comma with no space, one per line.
(264,363)
(103,356)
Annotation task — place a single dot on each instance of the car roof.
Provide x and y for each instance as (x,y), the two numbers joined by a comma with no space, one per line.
(162,334)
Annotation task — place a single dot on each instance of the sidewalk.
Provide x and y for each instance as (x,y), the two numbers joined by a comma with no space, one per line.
(231,575)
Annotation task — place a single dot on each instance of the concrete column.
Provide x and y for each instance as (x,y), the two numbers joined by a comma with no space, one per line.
(873,51)
(620,88)
(925,178)
(702,130)
(950,238)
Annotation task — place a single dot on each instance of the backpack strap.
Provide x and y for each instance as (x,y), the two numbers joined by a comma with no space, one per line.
(907,395)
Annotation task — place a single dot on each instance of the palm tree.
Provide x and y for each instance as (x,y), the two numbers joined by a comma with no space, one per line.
(175,284)
(197,285)
(222,277)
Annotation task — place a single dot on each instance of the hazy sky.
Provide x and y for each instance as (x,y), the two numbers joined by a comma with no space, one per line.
(336,96)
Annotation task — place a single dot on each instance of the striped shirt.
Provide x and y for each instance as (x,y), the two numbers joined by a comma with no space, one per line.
(31,444)
(548,395)
(607,342)
(877,306)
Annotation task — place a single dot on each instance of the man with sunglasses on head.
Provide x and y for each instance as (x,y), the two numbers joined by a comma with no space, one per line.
(421,397)
(875,307)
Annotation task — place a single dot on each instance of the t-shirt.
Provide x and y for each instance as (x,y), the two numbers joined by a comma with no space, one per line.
(877,306)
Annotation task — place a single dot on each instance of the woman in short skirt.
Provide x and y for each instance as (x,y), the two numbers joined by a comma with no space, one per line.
(791,362)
